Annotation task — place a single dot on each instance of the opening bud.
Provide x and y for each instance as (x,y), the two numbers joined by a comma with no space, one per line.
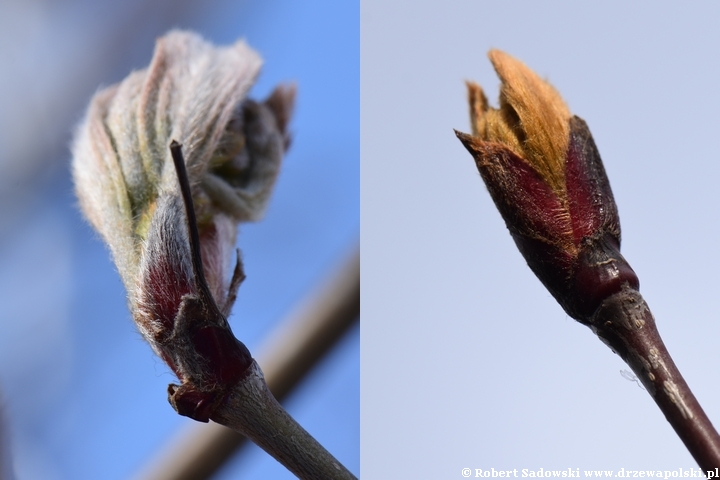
(544,173)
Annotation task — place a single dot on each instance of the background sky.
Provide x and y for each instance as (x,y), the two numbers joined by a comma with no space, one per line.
(84,395)
(467,361)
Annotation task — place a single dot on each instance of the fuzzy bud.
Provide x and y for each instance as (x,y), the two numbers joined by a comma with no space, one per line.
(129,185)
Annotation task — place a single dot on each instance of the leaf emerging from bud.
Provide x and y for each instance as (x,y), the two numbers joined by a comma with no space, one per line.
(543,171)
(172,245)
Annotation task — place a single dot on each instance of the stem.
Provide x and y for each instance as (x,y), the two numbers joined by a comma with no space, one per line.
(625,324)
(253,411)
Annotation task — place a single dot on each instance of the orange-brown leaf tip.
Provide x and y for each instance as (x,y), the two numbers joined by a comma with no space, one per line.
(532,121)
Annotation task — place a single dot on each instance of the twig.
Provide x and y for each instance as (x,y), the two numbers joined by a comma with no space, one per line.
(625,324)
(253,411)
(292,350)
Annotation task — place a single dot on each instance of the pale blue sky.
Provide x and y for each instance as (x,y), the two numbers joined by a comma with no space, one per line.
(466,358)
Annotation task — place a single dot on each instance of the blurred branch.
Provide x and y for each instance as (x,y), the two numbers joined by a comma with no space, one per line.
(624,323)
(290,353)
(6,470)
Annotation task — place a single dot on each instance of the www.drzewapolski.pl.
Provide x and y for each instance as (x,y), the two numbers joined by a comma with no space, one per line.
(577,473)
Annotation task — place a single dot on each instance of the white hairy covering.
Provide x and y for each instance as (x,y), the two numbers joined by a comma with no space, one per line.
(190,93)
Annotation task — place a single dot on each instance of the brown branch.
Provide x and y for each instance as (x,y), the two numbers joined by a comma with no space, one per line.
(290,353)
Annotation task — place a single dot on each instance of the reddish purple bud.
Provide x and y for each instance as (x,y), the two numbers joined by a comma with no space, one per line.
(172,246)
(545,175)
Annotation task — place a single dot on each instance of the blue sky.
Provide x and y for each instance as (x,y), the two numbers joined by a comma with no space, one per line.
(85,396)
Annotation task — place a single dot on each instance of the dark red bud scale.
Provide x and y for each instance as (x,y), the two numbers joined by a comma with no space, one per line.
(570,240)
